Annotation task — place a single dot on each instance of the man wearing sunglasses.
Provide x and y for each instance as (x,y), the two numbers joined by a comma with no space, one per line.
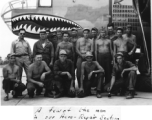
(23,52)
(89,70)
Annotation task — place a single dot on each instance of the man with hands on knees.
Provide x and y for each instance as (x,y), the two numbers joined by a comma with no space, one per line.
(64,76)
(123,77)
(38,74)
(89,70)
(12,78)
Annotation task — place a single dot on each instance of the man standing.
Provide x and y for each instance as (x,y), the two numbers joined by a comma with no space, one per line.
(64,75)
(120,44)
(104,54)
(123,76)
(49,36)
(89,69)
(111,34)
(67,46)
(11,78)
(44,47)
(131,42)
(73,40)
(94,32)
(37,78)
(83,45)
(57,39)
(23,52)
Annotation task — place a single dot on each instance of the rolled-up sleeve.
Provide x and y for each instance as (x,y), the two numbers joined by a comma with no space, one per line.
(56,68)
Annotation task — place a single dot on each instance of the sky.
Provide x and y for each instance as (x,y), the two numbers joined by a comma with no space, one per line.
(6,36)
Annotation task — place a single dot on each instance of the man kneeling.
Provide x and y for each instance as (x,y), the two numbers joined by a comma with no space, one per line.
(64,76)
(89,69)
(11,78)
(123,77)
(37,77)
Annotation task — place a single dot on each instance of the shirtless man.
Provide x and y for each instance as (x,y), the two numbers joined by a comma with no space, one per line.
(120,45)
(83,45)
(67,46)
(11,78)
(131,42)
(37,77)
(103,54)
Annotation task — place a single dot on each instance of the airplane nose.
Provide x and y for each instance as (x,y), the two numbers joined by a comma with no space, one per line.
(6,13)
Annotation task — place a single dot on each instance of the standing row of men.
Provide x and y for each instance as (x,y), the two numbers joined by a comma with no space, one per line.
(94,57)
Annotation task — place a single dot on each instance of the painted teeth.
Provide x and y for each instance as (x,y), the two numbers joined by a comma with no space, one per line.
(38,31)
(40,17)
(21,26)
(31,29)
(34,30)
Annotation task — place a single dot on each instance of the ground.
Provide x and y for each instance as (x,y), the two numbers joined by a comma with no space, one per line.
(143,98)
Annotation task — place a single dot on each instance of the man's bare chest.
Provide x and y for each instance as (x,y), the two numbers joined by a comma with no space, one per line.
(12,70)
(65,46)
(103,43)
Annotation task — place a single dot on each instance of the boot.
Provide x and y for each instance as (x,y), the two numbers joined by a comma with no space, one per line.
(99,94)
(130,95)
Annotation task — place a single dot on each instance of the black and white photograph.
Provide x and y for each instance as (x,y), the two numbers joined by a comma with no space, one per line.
(75,52)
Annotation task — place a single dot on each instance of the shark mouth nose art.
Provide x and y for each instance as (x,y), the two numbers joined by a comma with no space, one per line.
(34,23)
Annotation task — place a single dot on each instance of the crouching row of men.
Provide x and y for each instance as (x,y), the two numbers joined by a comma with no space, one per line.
(61,81)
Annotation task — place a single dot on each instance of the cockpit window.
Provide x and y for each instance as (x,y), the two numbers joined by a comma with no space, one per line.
(45,3)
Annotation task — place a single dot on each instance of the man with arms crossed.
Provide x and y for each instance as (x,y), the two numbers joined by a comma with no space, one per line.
(38,74)
(89,69)
(123,77)
(83,45)
(104,54)
(67,46)
(11,78)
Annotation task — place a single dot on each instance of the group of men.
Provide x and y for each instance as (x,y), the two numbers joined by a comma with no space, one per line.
(100,62)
